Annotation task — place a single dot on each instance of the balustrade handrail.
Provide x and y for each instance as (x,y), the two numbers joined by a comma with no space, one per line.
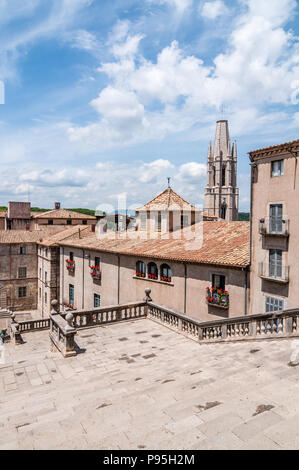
(223,321)
(107,309)
(30,325)
(284,323)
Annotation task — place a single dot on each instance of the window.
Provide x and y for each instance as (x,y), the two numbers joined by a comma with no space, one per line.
(223,211)
(275,261)
(277,168)
(68,222)
(143,221)
(46,277)
(22,250)
(159,222)
(40,273)
(218,281)
(273,304)
(71,294)
(50,222)
(46,298)
(84,222)
(46,253)
(40,292)
(97,261)
(165,273)
(276,218)
(140,269)
(22,292)
(153,271)
(22,274)
(97,300)
(223,176)
(71,256)
(184,221)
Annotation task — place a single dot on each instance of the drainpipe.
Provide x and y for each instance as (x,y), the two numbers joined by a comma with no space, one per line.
(245,291)
(118,281)
(185,288)
(83,276)
(62,272)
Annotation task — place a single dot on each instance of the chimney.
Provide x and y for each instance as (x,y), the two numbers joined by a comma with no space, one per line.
(57,205)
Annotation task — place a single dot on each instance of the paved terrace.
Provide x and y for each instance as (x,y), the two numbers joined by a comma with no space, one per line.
(139,385)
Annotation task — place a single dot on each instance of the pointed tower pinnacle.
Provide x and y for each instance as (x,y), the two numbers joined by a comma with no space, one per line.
(222,140)
(222,194)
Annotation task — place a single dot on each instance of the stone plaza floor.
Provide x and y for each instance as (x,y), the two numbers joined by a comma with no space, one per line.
(139,385)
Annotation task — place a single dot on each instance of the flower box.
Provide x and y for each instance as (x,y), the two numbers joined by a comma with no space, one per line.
(165,279)
(70,265)
(95,272)
(217,297)
(153,276)
(140,274)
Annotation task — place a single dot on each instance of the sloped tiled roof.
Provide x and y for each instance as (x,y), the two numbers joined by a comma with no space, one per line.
(63,214)
(26,236)
(73,233)
(166,200)
(274,149)
(224,244)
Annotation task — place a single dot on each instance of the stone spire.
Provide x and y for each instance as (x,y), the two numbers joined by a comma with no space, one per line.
(222,194)
(222,139)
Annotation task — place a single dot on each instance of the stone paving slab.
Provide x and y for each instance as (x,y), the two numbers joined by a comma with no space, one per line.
(154,390)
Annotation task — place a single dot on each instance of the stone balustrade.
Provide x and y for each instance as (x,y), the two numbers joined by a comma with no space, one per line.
(62,334)
(263,326)
(106,315)
(34,325)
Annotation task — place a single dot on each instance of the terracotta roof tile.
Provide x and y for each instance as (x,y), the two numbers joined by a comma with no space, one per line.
(166,200)
(74,233)
(224,243)
(24,236)
(274,148)
(63,214)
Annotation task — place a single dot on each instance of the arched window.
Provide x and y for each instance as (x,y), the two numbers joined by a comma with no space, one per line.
(165,273)
(140,269)
(152,271)
(223,176)
(223,211)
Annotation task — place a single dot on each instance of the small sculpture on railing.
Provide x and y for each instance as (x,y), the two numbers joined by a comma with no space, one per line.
(148,295)
(70,321)
(55,307)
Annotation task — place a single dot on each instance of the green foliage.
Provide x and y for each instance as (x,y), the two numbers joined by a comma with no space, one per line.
(244,216)
(83,211)
(3,209)
(38,209)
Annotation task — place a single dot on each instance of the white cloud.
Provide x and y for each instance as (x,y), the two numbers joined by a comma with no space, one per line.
(60,15)
(84,40)
(180,5)
(151,172)
(192,172)
(212,10)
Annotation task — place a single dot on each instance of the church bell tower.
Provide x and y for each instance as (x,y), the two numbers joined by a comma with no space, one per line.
(222,194)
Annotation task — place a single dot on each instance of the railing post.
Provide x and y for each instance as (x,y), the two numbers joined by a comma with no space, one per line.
(147,300)
(253,328)
(200,334)
(70,333)
(288,323)
(15,329)
(55,307)
(224,331)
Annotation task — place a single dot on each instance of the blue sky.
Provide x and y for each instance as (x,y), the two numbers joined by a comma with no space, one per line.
(109,97)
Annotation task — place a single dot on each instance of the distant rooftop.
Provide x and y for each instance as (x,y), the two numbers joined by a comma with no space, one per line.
(63,214)
(167,200)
